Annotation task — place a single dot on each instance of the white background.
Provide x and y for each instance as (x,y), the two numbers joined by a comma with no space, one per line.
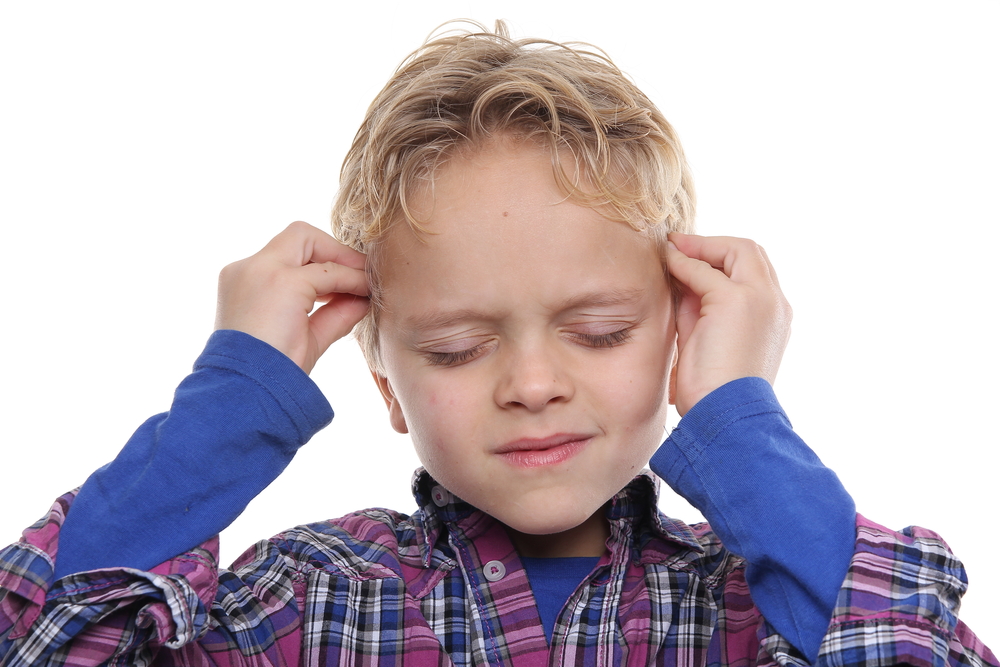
(143,147)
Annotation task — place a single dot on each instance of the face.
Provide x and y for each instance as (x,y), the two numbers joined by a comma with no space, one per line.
(526,342)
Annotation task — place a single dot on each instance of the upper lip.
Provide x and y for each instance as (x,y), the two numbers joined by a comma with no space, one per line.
(538,444)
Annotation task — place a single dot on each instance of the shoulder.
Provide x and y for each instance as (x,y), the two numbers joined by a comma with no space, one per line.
(692,548)
(373,543)
(717,564)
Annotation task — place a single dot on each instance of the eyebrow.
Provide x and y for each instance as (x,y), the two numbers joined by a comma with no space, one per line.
(601,299)
(615,297)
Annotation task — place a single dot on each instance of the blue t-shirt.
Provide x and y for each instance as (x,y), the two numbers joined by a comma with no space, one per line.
(553,580)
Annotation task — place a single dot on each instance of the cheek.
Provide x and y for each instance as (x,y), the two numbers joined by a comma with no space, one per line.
(441,409)
(638,387)
(445,427)
(644,412)
(424,393)
(434,396)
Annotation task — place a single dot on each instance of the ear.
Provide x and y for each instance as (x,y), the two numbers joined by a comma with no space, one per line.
(395,412)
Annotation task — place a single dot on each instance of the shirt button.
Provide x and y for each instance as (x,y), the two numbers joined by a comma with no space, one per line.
(494,570)
(440,496)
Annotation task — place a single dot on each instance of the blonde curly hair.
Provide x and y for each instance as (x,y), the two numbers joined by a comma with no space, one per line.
(463,88)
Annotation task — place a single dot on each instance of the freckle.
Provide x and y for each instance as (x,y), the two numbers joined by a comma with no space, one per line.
(505,214)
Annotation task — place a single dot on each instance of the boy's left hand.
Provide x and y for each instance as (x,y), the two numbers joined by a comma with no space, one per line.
(732,319)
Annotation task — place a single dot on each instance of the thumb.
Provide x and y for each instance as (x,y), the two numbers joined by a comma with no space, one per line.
(336,318)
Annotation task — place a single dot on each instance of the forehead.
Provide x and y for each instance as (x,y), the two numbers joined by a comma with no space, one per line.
(498,210)
(496,218)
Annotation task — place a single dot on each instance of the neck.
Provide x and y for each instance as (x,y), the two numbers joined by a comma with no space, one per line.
(586,540)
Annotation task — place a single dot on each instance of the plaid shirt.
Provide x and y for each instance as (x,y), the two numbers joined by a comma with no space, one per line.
(445,586)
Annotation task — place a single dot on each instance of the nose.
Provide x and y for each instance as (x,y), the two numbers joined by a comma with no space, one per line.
(532,378)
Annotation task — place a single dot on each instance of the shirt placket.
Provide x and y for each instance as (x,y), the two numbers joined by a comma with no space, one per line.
(509,625)
(602,593)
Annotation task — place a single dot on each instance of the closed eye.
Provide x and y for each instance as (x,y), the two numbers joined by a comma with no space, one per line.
(454,358)
(605,340)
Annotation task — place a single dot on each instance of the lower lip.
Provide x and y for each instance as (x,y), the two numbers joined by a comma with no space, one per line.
(536,458)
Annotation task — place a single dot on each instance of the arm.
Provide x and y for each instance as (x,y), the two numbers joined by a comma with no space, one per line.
(179,480)
(156,586)
(126,616)
(735,457)
(234,425)
(769,499)
(236,421)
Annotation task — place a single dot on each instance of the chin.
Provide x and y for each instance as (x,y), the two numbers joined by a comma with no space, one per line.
(542,526)
(545,517)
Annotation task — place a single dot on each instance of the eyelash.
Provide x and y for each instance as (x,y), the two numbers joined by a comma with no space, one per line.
(613,339)
(453,358)
(608,340)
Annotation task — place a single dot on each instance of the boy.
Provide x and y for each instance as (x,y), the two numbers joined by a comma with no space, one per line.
(513,206)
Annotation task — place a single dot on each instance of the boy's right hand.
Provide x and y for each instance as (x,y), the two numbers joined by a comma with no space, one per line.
(271,294)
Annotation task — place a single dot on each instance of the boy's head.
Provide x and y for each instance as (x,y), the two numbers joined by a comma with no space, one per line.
(610,146)
(513,199)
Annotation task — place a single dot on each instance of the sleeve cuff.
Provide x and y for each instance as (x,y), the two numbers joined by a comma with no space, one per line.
(291,387)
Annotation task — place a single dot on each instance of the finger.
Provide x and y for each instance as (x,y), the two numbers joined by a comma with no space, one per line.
(325,248)
(300,243)
(335,320)
(740,259)
(696,275)
(333,278)
(686,317)
(770,267)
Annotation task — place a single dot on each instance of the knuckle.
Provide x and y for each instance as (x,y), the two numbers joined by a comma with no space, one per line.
(230,271)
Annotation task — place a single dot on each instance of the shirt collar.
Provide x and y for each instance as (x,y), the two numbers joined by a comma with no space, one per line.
(635,505)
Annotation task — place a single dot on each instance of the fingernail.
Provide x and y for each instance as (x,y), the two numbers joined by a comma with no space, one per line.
(671,245)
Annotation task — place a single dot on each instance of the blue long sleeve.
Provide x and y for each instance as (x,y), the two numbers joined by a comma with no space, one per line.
(235,423)
(768,497)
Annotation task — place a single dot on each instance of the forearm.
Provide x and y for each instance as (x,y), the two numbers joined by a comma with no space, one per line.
(768,497)
(234,425)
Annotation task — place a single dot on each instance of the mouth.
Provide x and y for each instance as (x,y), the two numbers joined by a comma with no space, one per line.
(539,452)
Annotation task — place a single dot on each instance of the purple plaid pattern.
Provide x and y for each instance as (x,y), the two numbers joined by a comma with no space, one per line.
(380,588)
